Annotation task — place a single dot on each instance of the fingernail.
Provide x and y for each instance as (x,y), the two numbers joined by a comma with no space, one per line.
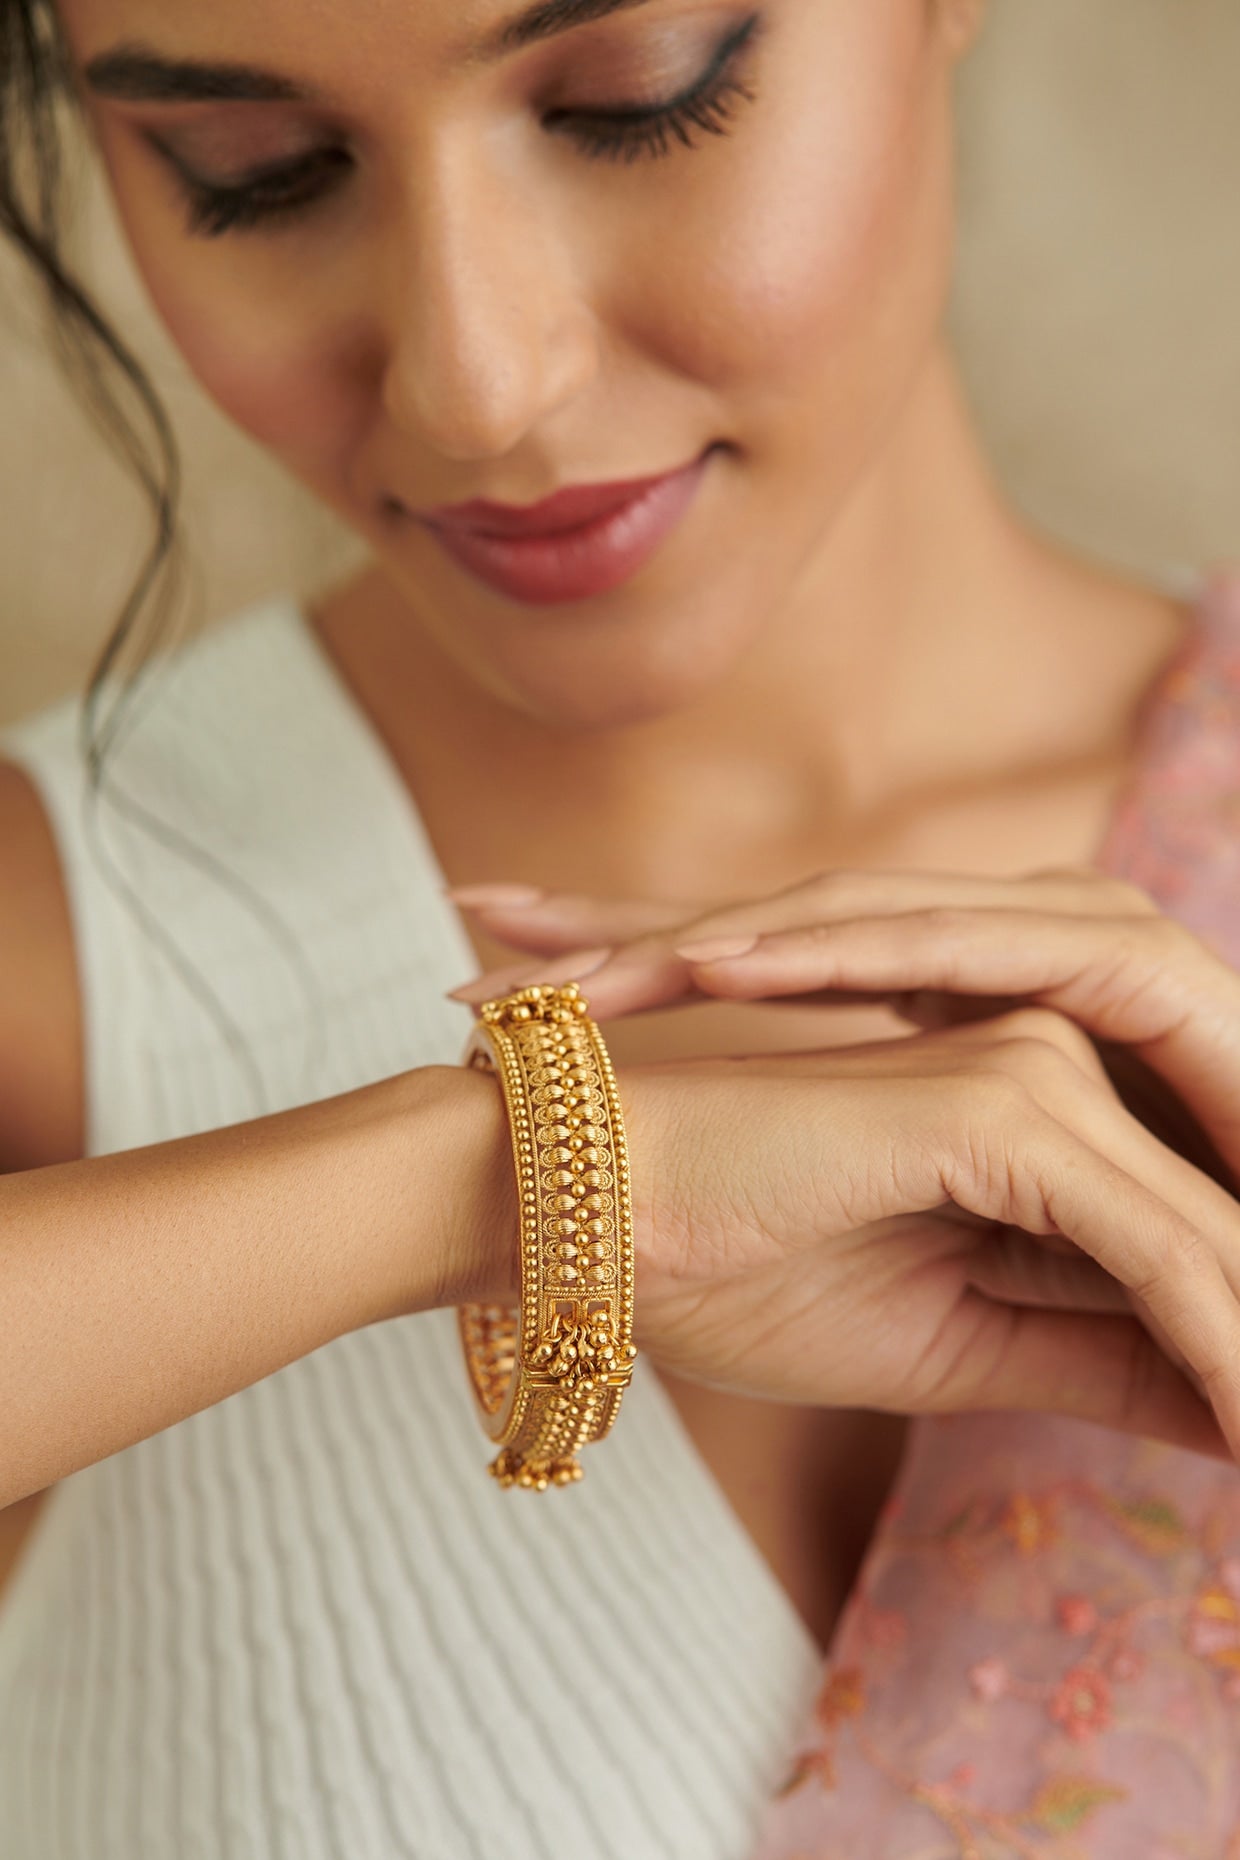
(468,992)
(573,968)
(510,896)
(717,949)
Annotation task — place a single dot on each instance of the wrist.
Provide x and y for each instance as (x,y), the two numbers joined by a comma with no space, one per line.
(464,1200)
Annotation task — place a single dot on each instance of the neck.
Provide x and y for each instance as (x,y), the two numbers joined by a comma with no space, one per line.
(922,647)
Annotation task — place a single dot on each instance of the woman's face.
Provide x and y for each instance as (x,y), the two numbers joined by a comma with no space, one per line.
(418,277)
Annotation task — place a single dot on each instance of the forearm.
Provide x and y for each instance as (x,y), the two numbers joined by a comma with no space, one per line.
(139,1288)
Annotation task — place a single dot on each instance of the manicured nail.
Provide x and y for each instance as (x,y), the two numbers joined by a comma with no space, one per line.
(506,896)
(573,968)
(717,949)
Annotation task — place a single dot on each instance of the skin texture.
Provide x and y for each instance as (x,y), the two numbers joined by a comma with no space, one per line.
(850,652)
(484,310)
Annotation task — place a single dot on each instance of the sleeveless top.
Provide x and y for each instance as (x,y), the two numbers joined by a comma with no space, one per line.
(303,1626)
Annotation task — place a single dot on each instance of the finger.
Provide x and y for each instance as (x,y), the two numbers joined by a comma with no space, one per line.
(558,922)
(555,922)
(1061,1183)
(1044,1050)
(611,991)
(1012,1269)
(1037,1052)
(502,981)
(1143,982)
(642,976)
(1101,1369)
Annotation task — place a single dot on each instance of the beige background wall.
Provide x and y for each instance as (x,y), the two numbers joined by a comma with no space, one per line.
(1097,314)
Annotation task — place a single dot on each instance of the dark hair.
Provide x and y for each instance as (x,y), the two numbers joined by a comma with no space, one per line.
(111,384)
(117,394)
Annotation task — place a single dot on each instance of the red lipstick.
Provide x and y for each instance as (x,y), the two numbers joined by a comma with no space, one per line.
(582,542)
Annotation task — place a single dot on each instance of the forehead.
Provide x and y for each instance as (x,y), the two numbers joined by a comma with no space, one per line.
(451,36)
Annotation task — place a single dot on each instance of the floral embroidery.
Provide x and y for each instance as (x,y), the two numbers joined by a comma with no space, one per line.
(1066,1802)
(1082,1703)
(990,1679)
(1077,1614)
(1041,1659)
(1031,1524)
(841,1698)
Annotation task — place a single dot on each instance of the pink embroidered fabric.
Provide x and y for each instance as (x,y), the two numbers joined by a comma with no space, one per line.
(1041,1658)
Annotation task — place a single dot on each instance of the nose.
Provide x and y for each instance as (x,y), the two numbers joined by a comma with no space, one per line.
(489,330)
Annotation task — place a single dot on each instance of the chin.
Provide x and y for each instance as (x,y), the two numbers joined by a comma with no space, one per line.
(591,686)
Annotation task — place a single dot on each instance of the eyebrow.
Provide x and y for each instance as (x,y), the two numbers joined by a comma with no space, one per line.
(137,73)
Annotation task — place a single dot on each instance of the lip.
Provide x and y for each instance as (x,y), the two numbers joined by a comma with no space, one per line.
(569,509)
(591,557)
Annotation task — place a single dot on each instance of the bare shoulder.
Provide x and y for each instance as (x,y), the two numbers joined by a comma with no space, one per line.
(41,1065)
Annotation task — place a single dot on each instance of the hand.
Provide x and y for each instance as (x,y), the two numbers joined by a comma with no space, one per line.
(938,948)
(883,1226)
(1164,1008)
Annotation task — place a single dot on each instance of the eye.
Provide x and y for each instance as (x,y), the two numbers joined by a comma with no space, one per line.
(271,194)
(280,194)
(629,134)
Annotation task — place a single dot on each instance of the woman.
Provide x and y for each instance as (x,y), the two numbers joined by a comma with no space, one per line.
(817,667)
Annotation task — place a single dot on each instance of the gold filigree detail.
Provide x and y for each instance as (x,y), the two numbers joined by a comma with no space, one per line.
(580,1351)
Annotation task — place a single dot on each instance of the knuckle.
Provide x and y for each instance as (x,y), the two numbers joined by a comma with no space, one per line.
(991,1094)
(986,1140)
(1030,1023)
(1036,1036)
(1179,1255)
(1221,1376)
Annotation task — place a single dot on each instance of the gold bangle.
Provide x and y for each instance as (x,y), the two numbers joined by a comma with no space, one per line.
(548,1377)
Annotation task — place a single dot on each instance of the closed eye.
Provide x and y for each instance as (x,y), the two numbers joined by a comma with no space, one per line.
(286,192)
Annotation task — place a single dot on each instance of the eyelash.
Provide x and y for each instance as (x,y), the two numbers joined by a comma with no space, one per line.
(620,135)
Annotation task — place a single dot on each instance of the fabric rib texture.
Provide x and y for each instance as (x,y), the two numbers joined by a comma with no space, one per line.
(304,1624)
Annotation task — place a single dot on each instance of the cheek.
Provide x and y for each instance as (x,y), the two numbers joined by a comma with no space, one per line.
(819,258)
(278,371)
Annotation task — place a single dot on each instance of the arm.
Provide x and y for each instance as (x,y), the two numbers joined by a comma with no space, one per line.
(137,1289)
(140,1288)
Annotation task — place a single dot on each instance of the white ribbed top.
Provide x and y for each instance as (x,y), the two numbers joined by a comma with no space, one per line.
(304,1624)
